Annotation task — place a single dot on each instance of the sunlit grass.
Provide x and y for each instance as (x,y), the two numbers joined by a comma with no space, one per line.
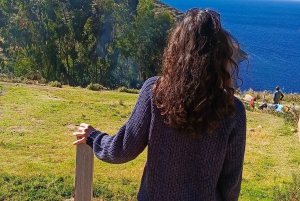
(270,156)
(38,158)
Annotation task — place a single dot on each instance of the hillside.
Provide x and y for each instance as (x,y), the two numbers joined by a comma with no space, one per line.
(160,7)
(36,125)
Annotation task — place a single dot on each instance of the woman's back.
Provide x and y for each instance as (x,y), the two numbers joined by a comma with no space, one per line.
(180,167)
(194,127)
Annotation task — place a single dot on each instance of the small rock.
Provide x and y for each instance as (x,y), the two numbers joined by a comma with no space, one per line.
(259,126)
(251,129)
(280,134)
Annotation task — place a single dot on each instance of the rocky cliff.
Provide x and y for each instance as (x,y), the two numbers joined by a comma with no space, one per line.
(160,7)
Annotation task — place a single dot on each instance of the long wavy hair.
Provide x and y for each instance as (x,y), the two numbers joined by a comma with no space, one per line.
(195,89)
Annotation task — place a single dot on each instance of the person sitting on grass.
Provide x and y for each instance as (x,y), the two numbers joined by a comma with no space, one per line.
(263,107)
(193,126)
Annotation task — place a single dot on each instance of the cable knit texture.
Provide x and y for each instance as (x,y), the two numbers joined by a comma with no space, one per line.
(178,167)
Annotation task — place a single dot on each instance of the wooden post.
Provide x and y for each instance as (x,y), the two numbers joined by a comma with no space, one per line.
(84,173)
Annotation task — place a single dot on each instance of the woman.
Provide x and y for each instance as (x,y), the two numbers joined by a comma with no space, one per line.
(194,127)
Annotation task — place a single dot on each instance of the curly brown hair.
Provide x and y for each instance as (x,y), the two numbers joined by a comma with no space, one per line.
(195,89)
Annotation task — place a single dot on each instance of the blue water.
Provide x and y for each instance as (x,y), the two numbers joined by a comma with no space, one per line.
(269,31)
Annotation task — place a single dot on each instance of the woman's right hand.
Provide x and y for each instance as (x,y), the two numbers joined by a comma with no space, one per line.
(83,131)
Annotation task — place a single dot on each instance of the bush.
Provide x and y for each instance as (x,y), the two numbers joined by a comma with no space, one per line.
(289,192)
(126,90)
(43,80)
(293,97)
(16,80)
(95,87)
(30,82)
(55,84)
(6,77)
(34,76)
(290,117)
(28,79)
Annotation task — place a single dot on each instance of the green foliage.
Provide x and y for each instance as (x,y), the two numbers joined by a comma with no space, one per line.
(79,42)
(150,37)
(23,67)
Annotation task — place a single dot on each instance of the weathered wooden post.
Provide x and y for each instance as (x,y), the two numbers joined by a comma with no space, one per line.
(84,173)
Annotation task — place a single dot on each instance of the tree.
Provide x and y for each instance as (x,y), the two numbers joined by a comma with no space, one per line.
(150,38)
(82,41)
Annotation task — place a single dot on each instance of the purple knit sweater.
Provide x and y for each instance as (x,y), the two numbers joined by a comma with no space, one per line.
(178,167)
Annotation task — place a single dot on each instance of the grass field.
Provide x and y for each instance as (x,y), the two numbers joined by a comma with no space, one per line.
(37,160)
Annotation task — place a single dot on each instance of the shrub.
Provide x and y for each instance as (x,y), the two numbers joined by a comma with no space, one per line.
(290,117)
(95,87)
(34,76)
(293,117)
(16,80)
(43,80)
(126,90)
(30,82)
(293,97)
(55,84)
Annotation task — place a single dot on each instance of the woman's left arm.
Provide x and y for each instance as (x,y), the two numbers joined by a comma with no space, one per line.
(132,137)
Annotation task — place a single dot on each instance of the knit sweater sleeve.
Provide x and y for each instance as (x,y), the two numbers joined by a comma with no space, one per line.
(230,178)
(132,137)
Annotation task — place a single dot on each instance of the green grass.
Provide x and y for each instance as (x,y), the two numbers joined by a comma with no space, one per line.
(270,156)
(38,159)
